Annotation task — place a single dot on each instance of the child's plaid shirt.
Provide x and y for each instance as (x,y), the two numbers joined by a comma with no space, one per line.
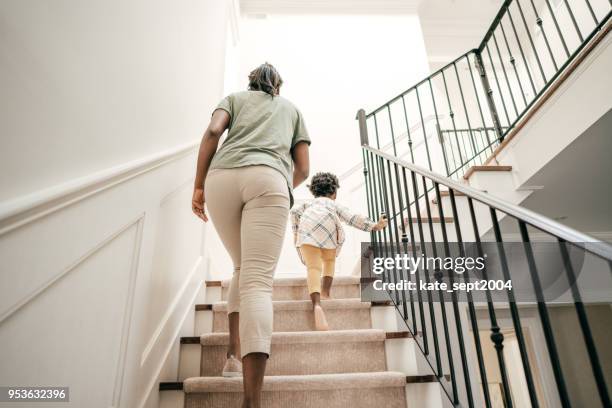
(317,223)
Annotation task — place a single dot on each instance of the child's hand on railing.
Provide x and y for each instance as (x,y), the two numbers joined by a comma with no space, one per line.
(382,223)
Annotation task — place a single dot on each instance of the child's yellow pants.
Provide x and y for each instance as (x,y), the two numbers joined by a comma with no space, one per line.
(319,262)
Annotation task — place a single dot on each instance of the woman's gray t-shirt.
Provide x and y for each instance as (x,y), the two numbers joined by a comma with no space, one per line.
(262,131)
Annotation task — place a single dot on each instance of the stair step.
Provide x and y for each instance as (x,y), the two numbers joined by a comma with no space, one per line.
(474,169)
(446,193)
(344,287)
(302,353)
(356,390)
(296,315)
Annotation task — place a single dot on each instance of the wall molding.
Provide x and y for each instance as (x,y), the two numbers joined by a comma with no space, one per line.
(169,312)
(127,315)
(25,209)
(53,280)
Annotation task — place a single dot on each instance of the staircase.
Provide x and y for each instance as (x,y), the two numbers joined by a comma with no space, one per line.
(503,112)
(449,160)
(363,361)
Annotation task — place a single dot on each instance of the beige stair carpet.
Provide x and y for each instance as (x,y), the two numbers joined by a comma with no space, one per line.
(301,353)
(296,315)
(344,287)
(356,390)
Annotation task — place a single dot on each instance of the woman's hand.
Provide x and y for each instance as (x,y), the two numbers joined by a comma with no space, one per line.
(197,204)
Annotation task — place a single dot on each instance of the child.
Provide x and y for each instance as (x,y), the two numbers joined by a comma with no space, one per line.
(318,235)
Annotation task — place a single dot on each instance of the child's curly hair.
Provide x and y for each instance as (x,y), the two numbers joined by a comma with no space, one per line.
(324,184)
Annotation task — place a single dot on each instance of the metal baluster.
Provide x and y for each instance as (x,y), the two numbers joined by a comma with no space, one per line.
(516,320)
(432,313)
(513,63)
(376,132)
(387,231)
(404,237)
(412,240)
(484,124)
(520,47)
(588,3)
(467,159)
(544,318)
(452,116)
(472,310)
(587,334)
(540,24)
(391,127)
(571,13)
(552,14)
(408,130)
(486,85)
(383,208)
(456,312)
(535,52)
(371,214)
(374,182)
(452,150)
(415,191)
(438,277)
(467,117)
(501,96)
(393,227)
(433,99)
(416,89)
(497,337)
(505,74)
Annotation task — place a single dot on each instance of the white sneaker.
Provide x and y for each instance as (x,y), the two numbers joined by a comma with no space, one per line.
(232,367)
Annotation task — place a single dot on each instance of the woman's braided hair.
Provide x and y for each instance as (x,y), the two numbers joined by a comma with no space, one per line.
(265,78)
(323,184)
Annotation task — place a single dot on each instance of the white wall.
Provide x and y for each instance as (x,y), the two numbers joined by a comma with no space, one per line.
(103,104)
(108,81)
(332,66)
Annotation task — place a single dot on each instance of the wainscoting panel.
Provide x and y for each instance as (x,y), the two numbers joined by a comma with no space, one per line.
(72,333)
(98,280)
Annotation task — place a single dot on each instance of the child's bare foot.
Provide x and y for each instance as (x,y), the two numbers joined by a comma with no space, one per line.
(320,320)
(325,296)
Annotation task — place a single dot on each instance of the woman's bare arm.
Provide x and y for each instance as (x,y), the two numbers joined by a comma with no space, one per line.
(208,147)
(301,163)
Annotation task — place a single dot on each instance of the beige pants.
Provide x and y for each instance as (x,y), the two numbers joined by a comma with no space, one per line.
(319,262)
(249,208)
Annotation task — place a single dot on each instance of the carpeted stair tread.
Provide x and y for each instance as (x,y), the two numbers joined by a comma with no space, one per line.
(306,337)
(307,352)
(305,305)
(313,382)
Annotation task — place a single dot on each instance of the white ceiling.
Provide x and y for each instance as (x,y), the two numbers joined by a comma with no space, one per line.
(452,27)
(329,6)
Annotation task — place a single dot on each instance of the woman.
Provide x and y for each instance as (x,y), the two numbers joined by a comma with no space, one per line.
(247,188)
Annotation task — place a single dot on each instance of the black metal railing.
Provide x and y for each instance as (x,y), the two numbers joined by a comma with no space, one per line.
(453,331)
(482,95)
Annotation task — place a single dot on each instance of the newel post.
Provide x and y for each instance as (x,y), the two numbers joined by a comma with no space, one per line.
(363,127)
